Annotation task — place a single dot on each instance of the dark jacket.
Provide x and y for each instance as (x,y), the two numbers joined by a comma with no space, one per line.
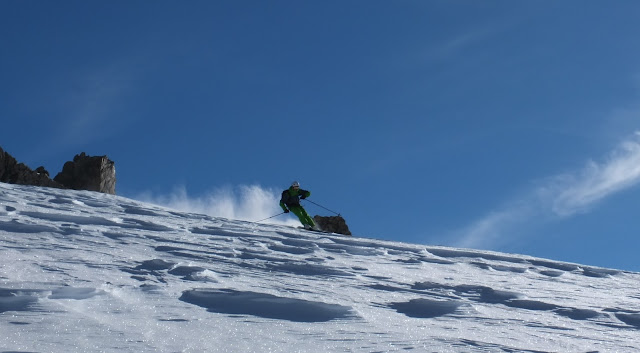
(291,197)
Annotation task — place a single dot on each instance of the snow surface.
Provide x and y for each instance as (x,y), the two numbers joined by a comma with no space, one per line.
(89,272)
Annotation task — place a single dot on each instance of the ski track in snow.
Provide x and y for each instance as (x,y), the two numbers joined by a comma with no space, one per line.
(83,271)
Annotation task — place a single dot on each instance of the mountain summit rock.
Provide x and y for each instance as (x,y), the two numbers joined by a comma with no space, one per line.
(83,173)
(13,172)
(89,173)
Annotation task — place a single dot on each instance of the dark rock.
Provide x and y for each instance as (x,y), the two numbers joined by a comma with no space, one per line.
(89,173)
(41,170)
(18,173)
(84,173)
(334,224)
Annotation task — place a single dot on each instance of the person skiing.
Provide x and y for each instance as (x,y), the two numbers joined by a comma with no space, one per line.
(290,201)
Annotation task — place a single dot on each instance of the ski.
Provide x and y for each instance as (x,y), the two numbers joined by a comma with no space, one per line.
(316,230)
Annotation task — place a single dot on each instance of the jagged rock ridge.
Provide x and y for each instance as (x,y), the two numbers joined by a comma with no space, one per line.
(13,172)
(83,173)
(89,173)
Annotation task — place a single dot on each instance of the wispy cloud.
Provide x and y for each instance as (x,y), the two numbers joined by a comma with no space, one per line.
(461,41)
(92,101)
(559,197)
(86,105)
(576,193)
(245,202)
(478,35)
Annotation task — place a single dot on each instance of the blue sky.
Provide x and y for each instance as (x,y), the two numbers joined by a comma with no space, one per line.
(503,125)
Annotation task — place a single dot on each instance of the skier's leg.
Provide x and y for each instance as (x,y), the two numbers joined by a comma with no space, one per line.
(307,218)
(297,210)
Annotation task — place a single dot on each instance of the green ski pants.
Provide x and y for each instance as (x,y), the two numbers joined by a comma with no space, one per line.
(302,215)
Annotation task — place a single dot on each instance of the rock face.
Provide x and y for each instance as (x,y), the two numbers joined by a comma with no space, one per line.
(89,173)
(84,173)
(18,173)
(334,224)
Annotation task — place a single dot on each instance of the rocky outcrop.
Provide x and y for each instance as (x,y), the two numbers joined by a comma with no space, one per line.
(89,173)
(83,173)
(334,224)
(13,172)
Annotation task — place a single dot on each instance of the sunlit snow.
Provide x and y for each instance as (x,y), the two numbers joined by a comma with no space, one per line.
(89,272)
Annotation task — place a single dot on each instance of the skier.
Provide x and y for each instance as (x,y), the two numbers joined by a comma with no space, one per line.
(290,201)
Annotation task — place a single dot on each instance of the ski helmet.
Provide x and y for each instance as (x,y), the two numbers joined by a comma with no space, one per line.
(295,184)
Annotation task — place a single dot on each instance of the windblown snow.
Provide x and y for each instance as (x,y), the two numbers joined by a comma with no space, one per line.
(89,272)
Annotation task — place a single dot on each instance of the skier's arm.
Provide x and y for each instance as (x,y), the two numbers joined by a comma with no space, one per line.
(305,193)
(283,200)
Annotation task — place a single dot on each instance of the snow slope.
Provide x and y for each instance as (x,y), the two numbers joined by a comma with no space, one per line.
(89,272)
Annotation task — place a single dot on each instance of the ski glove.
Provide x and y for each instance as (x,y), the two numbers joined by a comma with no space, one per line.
(303,197)
(286,211)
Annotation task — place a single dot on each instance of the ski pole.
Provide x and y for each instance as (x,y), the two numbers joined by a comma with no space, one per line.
(269,217)
(322,207)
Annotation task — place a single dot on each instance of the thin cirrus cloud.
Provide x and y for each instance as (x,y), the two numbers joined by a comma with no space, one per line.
(91,102)
(559,197)
(576,193)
